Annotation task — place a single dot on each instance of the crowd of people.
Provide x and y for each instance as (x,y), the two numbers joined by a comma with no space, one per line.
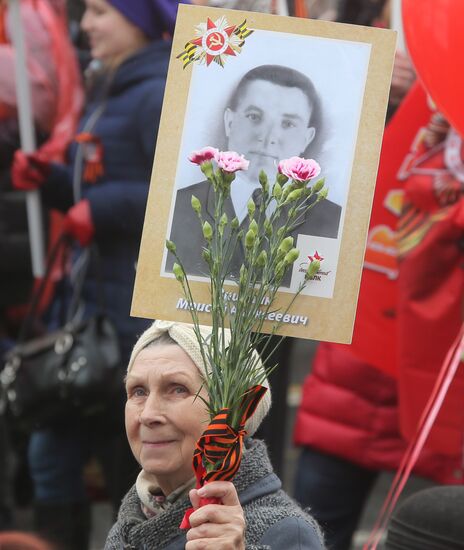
(97,70)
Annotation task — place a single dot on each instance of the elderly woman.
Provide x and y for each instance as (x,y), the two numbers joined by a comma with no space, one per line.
(164,419)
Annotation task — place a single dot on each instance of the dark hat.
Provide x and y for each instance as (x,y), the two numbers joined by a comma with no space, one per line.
(432,519)
(153,17)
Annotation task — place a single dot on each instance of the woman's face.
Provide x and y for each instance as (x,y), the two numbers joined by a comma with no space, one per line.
(112,37)
(163,418)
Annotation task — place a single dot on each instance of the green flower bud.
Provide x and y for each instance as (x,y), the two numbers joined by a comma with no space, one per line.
(207,169)
(286,244)
(323,194)
(281,179)
(261,260)
(170,246)
(291,256)
(313,268)
(279,270)
(318,185)
(196,204)
(294,195)
(263,179)
(222,223)
(280,232)
(250,238)
(251,206)
(206,255)
(207,231)
(235,223)
(227,178)
(287,189)
(277,190)
(267,228)
(178,272)
(224,220)
(243,274)
(254,227)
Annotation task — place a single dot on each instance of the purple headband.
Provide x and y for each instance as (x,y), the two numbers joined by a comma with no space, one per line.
(153,17)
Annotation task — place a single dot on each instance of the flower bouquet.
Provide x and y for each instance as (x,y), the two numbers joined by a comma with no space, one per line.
(235,373)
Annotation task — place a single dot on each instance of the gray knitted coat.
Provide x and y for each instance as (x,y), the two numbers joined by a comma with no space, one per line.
(273,520)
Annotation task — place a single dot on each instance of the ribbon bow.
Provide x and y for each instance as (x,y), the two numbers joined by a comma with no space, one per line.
(218,452)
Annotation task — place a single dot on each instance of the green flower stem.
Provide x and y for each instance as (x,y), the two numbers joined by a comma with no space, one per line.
(234,369)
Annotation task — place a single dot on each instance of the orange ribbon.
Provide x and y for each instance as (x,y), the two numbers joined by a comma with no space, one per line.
(93,156)
(221,447)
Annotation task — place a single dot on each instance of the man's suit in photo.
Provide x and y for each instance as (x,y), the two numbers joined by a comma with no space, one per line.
(322,220)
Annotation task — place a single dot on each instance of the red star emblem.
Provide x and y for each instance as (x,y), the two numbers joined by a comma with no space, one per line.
(316,256)
(215,41)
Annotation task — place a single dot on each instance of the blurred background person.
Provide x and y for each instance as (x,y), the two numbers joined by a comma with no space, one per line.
(114,153)
(56,102)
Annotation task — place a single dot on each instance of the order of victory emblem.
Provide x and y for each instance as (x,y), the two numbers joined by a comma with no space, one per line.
(214,42)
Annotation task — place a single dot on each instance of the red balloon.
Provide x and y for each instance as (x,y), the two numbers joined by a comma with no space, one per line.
(434,32)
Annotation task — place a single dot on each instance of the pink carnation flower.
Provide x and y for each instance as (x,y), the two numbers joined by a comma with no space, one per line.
(299,169)
(203,155)
(231,162)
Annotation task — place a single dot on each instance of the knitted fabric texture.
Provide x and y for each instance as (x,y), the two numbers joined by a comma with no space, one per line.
(185,336)
(132,530)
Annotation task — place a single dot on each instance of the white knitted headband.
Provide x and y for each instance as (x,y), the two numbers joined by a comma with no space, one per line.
(185,337)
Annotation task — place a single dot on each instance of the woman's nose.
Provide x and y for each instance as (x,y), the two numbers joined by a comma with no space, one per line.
(152,411)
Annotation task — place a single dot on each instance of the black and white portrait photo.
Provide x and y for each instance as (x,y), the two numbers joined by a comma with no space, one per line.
(283,96)
(268,88)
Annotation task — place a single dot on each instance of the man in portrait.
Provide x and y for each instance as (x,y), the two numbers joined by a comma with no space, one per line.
(274,113)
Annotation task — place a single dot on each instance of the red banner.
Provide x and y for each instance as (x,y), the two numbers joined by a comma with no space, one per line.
(374,337)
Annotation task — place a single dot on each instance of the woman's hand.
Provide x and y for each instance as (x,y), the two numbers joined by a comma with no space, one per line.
(216,526)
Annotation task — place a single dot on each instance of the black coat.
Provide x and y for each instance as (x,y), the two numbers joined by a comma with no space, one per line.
(322,220)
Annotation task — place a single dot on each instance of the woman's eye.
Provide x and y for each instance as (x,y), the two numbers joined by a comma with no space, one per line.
(179,390)
(137,391)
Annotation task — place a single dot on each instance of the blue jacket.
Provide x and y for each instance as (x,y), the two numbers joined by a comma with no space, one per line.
(130,108)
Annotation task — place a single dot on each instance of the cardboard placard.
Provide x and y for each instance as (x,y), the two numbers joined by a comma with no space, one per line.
(206,104)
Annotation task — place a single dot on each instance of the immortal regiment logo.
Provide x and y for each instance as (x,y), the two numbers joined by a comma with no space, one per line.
(215,41)
(315,261)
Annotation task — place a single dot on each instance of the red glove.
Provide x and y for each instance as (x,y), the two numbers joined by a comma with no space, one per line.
(78,223)
(29,171)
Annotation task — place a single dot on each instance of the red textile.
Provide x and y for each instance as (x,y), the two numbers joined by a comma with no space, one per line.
(78,222)
(28,172)
(350,410)
(431,291)
(374,337)
(56,90)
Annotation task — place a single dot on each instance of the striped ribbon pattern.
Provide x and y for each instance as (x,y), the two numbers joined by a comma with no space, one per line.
(218,452)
